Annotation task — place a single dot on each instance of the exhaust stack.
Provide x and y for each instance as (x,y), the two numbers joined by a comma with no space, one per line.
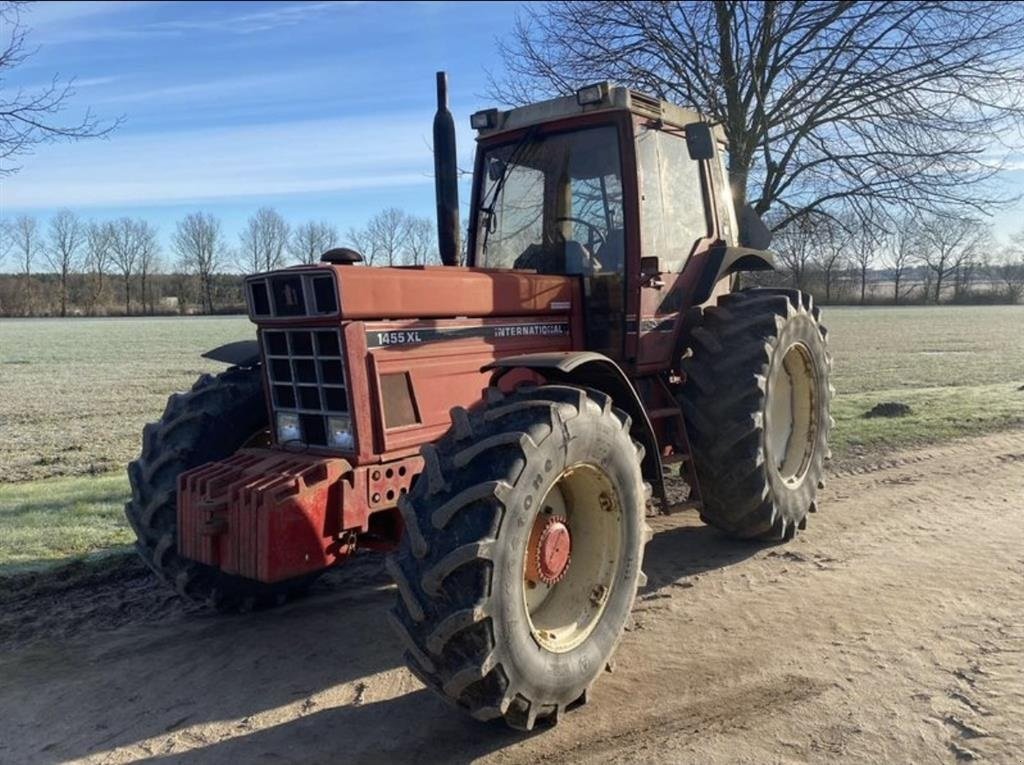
(446,180)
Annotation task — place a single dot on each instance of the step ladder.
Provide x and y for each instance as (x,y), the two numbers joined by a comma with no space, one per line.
(681,456)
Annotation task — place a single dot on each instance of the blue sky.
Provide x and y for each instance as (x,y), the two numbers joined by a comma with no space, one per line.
(320,109)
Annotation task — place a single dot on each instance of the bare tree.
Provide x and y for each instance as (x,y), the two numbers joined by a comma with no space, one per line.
(124,250)
(975,265)
(1009,268)
(6,242)
(61,254)
(865,235)
(26,244)
(359,240)
(149,261)
(830,242)
(31,116)
(198,243)
(310,240)
(796,248)
(946,244)
(421,242)
(867,104)
(263,241)
(388,235)
(98,238)
(899,251)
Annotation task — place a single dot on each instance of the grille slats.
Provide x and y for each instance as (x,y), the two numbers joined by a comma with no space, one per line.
(287,295)
(306,373)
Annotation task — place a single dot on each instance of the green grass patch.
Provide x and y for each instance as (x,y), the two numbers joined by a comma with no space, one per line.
(937,414)
(74,395)
(43,522)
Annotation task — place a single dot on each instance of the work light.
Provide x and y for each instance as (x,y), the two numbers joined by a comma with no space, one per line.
(591,94)
(339,432)
(288,428)
(488,118)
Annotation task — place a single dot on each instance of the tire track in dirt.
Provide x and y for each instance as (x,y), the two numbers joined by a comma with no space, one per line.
(891,630)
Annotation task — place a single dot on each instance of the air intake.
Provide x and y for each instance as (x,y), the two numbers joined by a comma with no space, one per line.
(341,256)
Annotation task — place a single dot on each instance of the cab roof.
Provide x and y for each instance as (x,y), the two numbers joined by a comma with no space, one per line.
(612,98)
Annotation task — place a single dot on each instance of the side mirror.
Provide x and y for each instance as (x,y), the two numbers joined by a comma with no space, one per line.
(700,142)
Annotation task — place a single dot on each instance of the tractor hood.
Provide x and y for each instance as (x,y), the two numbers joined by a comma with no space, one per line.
(420,292)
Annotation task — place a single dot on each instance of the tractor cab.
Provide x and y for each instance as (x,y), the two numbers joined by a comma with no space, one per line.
(611,186)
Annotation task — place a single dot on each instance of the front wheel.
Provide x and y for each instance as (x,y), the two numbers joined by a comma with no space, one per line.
(522,553)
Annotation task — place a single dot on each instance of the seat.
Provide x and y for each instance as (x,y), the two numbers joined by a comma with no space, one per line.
(612,253)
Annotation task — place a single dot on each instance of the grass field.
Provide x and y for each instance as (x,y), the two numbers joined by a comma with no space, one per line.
(75,394)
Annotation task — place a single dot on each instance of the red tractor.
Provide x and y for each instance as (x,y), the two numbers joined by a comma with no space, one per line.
(500,427)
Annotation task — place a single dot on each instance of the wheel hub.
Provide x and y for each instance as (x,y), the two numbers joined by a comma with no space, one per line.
(551,547)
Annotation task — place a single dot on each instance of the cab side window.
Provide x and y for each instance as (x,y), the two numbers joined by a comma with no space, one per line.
(672,209)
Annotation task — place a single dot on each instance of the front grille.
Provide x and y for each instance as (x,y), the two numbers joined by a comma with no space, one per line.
(306,375)
(285,295)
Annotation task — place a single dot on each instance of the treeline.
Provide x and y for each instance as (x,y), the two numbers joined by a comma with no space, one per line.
(912,259)
(67,266)
(70,267)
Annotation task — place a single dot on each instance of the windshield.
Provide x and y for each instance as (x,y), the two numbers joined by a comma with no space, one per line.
(553,203)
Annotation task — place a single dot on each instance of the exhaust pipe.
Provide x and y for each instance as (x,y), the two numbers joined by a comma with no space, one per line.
(446,177)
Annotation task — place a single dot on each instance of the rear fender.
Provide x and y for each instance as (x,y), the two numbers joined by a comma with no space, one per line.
(586,369)
(722,261)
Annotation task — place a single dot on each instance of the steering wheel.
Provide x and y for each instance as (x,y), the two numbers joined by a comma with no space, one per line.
(594,232)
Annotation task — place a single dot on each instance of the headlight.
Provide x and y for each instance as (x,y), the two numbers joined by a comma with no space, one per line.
(592,94)
(339,432)
(288,428)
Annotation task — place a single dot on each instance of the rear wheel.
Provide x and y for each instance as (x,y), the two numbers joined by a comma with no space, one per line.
(219,415)
(521,558)
(756,402)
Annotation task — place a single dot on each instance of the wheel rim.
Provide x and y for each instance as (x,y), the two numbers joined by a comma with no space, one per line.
(791,415)
(572,557)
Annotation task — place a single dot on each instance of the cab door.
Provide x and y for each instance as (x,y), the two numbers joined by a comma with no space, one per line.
(676,224)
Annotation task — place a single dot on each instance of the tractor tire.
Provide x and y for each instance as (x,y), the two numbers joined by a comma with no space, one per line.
(756,401)
(522,553)
(211,421)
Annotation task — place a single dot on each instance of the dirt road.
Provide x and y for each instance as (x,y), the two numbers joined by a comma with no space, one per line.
(892,630)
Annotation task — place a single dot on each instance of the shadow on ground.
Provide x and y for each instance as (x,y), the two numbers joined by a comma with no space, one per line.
(161,674)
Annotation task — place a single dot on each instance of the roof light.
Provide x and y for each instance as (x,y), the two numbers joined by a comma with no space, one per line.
(485,119)
(592,94)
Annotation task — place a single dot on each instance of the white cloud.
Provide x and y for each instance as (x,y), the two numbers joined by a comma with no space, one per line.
(54,24)
(258,21)
(224,86)
(342,154)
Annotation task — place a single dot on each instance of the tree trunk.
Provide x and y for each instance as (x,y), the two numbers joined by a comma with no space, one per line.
(863,282)
(938,286)
(127,295)
(97,294)
(63,293)
(208,293)
(896,292)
